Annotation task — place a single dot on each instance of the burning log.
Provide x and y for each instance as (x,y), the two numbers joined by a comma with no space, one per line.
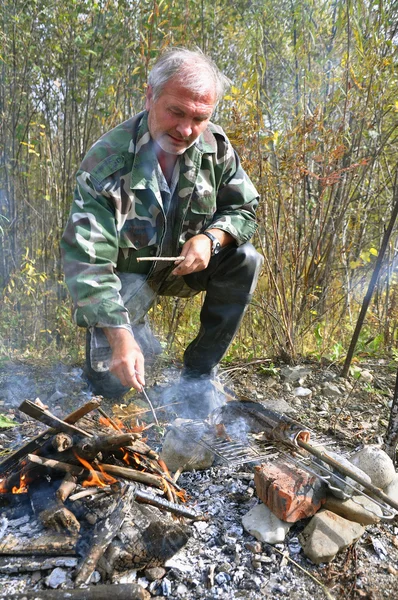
(61,442)
(8,463)
(106,443)
(133,475)
(127,591)
(55,464)
(46,417)
(67,487)
(54,544)
(57,517)
(104,534)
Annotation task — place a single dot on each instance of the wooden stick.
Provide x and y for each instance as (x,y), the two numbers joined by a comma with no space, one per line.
(56,464)
(37,442)
(161,258)
(172,507)
(67,487)
(105,531)
(133,475)
(124,591)
(107,442)
(47,543)
(24,564)
(44,416)
(61,442)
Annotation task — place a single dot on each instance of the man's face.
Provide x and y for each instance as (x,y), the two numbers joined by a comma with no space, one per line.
(178,117)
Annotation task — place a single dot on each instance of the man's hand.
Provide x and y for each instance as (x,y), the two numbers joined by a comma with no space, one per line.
(197,252)
(127,362)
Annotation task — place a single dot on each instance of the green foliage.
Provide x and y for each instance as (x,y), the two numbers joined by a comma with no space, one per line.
(312,112)
(6,421)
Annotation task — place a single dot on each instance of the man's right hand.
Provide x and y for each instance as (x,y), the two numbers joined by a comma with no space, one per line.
(127,362)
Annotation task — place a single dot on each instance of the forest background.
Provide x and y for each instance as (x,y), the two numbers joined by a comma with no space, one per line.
(312,111)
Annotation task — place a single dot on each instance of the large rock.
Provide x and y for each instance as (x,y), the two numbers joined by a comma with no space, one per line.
(341,484)
(359,509)
(291,374)
(264,525)
(376,463)
(181,448)
(392,488)
(326,535)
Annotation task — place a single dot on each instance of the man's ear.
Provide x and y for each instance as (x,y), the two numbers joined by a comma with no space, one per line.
(148,97)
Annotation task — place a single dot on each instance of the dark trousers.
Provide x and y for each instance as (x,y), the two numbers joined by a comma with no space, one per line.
(229,282)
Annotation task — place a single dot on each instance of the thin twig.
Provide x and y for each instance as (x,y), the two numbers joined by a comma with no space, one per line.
(161,258)
(150,406)
(327,593)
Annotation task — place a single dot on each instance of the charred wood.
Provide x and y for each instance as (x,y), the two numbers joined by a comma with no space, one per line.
(24,564)
(61,442)
(104,533)
(45,416)
(54,544)
(55,464)
(130,591)
(106,443)
(59,518)
(176,509)
(133,475)
(67,487)
(8,463)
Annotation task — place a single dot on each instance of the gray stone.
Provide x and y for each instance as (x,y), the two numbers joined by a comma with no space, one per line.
(376,463)
(278,404)
(154,573)
(326,535)
(302,392)
(264,525)
(330,390)
(392,488)
(56,578)
(181,449)
(341,483)
(358,508)
(291,374)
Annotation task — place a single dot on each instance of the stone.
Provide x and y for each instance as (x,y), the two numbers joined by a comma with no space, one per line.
(291,374)
(358,508)
(342,483)
(392,488)
(330,390)
(181,449)
(278,404)
(302,392)
(366,376)
(289,492)
(56,578)
(376,463)
(326,535)
(264,525)
(154,573)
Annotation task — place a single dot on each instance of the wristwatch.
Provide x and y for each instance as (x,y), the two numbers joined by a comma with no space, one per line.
(215,244)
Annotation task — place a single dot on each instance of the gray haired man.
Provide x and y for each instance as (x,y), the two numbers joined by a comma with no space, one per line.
(166,182)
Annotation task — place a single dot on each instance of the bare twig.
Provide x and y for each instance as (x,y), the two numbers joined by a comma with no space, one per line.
(161,258)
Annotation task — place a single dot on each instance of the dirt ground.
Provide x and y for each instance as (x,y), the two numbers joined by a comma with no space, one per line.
(358,416)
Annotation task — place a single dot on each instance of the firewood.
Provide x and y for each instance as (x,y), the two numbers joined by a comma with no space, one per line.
(25,564)
(46,417)
(59,518)
(54,544)
(124,591)
(8,463)
(176,509)
(55,464)
(106,443)
(105,531)
(67,487)
(61,442)
(133,475)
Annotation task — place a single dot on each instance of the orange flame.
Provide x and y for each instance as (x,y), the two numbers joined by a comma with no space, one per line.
(22,489)
(95,479)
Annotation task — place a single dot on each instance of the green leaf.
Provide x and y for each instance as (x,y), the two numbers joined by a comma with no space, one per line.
(6,422)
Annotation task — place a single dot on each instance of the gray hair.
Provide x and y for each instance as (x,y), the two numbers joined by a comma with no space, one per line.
(193,69)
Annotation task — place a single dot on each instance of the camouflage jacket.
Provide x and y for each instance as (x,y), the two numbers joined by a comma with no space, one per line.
(117,213)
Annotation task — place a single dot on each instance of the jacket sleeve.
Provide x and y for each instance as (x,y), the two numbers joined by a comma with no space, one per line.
(89,249)
(237,198)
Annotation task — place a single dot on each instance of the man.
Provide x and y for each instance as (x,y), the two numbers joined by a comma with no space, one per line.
(164,183)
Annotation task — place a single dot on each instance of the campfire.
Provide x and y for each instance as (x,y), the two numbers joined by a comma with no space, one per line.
(82,477)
